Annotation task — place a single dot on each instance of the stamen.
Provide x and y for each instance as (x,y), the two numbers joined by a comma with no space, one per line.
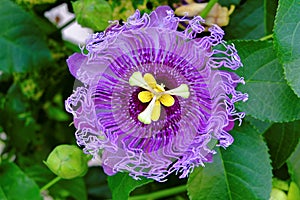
(146,115)
(156,111)
(150,80)
(145,96)
(167,100)
(137,80)
(182,91)
(156,94)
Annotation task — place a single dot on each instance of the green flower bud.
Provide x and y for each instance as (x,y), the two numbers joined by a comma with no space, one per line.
(67,161)
(278,194)
(294,192)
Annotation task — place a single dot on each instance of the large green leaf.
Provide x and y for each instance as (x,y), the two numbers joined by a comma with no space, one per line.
(243,171)
(94,14)
(294,165)
(286,39)
(260,126)
(63,189)
(270,7)
(22,44)
(282,140)
(17,121)
(270,98)
(74,188)
(2,195)
(229,2)
(96,183)
(40,173)
(247,21)
(122,184)
(16,184)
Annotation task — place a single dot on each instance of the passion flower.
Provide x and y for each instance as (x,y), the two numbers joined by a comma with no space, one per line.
(152,98)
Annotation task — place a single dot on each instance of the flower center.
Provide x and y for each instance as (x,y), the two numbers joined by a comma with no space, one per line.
(156,95)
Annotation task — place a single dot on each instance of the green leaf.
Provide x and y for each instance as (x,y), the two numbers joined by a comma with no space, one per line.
(2,195)
(55,113)
(294,165)
(270,98)
(23,46)
(37,2)
(286,40)
(282,140)
(136,3)
(270,7)
(247,21)
(123,9)
(74,188)
(260,126)
(94,14)
(229,2)
(39,173)
(96,183)
(122,184)
(243,171)
(16,184)
(18,122)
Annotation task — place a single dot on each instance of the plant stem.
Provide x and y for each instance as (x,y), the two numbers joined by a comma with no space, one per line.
(208,7)
(266,37)
(160,194)
(48,185)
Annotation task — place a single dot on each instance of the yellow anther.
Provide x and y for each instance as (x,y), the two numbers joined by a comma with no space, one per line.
(167,100)
(145,96)
(156,111)
(150,80)
(156,94)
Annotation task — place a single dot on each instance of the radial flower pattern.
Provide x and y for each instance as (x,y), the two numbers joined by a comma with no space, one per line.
(152,98)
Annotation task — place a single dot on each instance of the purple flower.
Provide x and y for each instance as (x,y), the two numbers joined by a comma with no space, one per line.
(152,98)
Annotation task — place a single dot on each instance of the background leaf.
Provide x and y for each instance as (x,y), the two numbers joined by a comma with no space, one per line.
(282,140)
(247,21)
(286,40)
(64,189)
(22,45)
(294,165)
(121,184)
(19,123)
(74,188)
(243,171)
(94,14)
(96,183)
(229,2)
(16,184)
(270,7)
(270,98)
(2,195)
(260,126)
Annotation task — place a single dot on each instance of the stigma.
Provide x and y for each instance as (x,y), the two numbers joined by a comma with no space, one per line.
(156,95)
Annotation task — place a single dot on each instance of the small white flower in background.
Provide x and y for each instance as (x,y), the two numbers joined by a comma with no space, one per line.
(73,32)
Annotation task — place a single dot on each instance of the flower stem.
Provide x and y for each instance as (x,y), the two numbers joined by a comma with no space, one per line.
(208,7)
(48,185)
(160,194)
(266,37)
